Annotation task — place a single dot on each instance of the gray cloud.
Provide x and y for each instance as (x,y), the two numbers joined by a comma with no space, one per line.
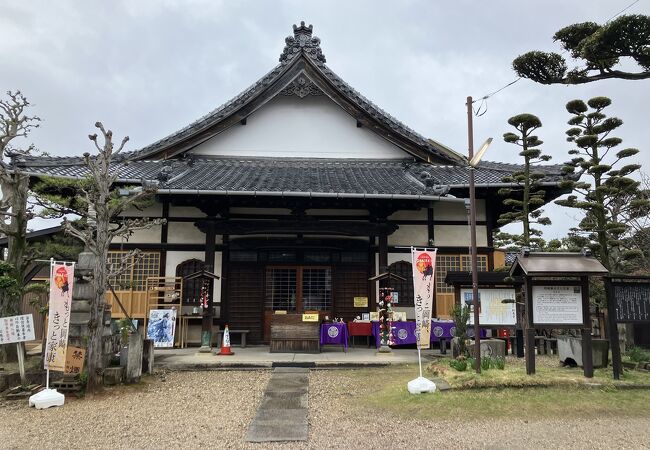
(148,68)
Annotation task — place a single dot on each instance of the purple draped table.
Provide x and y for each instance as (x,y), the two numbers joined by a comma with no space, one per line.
(404,332)
(334,334)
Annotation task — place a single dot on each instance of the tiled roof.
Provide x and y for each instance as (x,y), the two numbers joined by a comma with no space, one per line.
(284,175)
(302,43)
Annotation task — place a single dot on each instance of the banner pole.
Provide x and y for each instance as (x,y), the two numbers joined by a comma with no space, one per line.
(47,369)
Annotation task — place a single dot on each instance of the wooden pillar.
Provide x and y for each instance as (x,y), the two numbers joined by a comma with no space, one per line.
(587,353)
(614,343)
(383,252)
(529,338)
(372,304)
(206,324)
(164,235)
(225,262)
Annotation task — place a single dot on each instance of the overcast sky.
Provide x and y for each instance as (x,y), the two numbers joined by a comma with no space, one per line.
(147,68)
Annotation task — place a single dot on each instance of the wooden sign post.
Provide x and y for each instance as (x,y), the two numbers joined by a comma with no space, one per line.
(628,301)
(18,329)
(556,292)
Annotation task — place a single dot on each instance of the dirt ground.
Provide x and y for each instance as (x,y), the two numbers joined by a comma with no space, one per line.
(213,409)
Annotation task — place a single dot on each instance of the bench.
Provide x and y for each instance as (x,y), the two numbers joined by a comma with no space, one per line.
(242,333)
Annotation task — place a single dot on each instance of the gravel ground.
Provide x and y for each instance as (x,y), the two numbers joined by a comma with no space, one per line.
(213,409)
(187,410)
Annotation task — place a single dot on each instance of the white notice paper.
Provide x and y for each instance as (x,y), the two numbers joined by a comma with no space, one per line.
(557,305)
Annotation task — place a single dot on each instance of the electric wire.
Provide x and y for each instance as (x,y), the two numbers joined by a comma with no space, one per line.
(479,112)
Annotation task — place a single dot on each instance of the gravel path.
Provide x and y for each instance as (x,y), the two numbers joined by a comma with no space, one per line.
(213,409)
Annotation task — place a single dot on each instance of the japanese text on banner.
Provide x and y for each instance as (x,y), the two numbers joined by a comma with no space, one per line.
(61,280)
(424,263)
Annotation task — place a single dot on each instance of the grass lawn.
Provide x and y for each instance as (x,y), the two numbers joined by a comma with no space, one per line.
(548,372)
(549,393)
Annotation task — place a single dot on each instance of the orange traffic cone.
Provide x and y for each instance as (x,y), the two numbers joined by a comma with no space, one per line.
(225,344)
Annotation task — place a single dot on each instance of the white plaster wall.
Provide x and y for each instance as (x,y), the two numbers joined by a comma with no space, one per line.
(261,211)
(392,258)
(174,258)
(337,212)
(185,211)
(148,236)
(410,235)
(155,210)
(457,210)
(420,214)
(313,126)
(396,257)
(458,235)
(184,233)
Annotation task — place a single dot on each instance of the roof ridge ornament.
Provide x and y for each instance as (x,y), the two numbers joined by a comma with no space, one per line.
(302,41)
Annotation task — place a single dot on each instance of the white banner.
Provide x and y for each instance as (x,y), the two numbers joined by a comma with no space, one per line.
(58,323)
(16,329)
(424,264)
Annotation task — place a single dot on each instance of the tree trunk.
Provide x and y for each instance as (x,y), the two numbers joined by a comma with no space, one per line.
(96,329)
(17,243)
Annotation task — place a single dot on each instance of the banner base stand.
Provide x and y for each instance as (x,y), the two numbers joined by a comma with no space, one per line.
(384,350)
(46,399)
(421,385)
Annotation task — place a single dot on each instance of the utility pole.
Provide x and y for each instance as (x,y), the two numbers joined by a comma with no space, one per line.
(472,225)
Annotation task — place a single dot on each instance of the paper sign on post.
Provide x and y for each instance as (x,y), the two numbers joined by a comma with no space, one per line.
(15,329)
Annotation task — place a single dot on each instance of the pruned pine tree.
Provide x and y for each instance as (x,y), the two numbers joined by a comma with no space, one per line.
(527,195)
(100,203)
(610,198)
(14,212)
(599,49)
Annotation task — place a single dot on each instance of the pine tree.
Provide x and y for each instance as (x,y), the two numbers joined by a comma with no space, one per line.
(609,181)
(98,200)
(15,124)
(599,48)
(526,196)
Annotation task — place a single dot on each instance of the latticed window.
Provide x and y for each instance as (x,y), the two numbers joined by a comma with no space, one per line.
(191,288)
(403,288)
(455,263)
(298,288)
(135,271)
(316,289)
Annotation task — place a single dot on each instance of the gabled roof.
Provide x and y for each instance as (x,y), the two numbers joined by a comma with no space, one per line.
(301,71)
(542,264)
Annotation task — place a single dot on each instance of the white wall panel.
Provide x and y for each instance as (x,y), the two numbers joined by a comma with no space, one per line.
(410,235)
(311,127)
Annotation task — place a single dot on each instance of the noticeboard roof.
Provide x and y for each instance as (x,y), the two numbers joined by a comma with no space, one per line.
(556,264)
(484,278)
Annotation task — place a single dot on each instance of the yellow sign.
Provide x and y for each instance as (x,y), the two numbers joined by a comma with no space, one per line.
(360,302)
(310,317)
(281,311)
